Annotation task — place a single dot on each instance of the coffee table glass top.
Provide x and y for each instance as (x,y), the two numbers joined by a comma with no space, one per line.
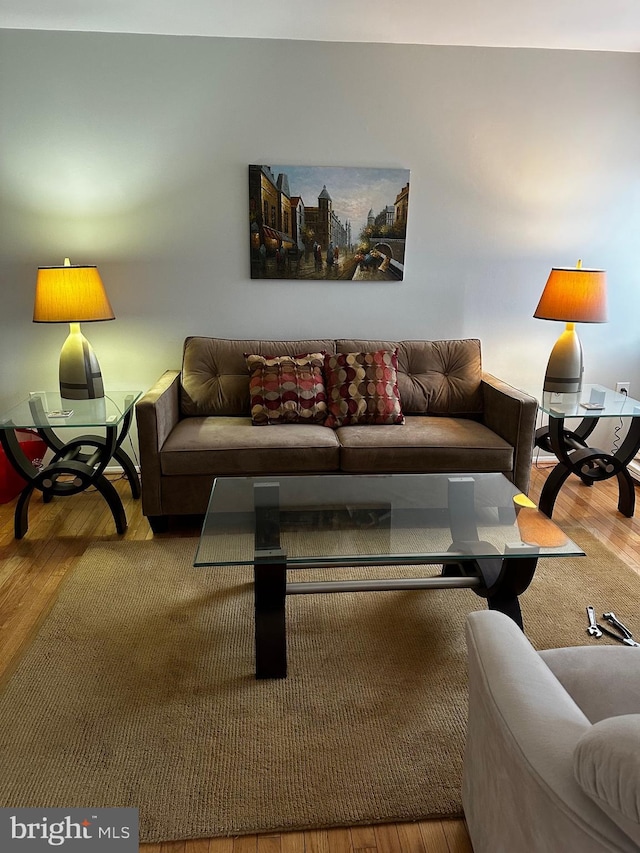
(41,408)
(341,520)
(615,405)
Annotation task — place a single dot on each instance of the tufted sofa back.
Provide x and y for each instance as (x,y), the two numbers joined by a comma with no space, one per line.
(434,377)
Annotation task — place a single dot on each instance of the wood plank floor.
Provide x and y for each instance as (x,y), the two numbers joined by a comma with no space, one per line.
(59,532)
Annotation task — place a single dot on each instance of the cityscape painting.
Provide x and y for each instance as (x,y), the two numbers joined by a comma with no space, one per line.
(336,223)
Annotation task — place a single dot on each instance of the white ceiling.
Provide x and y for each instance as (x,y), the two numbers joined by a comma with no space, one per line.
(569,24)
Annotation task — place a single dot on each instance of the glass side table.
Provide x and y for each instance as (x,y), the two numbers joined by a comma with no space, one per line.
(80,461)
(570,445)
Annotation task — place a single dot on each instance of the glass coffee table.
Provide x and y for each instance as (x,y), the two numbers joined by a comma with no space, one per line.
(94,431)
(484,534)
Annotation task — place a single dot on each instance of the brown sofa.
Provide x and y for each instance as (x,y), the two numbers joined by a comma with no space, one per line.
(195,423)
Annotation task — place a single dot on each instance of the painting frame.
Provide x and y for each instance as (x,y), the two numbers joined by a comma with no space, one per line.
(355,229)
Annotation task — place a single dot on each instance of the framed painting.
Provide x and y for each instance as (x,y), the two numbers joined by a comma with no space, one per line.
(314,222)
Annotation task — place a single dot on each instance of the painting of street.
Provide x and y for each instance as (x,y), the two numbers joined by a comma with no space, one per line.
(329,223)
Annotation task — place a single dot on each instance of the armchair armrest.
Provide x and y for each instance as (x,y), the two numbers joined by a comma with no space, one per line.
(512,415)
(157,412)
(519,790)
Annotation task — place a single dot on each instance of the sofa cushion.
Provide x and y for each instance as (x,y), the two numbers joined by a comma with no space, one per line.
(607,768)
(215,376)
(424,443)
(287,389)
(438,377)
(233,446)
(362,388)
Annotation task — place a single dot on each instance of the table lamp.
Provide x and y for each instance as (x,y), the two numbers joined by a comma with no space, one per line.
(74,294)
(575,296)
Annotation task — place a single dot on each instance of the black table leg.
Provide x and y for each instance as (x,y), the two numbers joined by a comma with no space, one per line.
(111,496)
(270,588)
(21,515)
(626,493)
(551,488)
(504,579)
(120,456)
(509,605)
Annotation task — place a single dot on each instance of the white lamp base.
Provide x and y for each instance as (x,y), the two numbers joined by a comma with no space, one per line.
(565,367)
(80,376)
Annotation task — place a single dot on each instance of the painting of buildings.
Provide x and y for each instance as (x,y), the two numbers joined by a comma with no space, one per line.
(341,223)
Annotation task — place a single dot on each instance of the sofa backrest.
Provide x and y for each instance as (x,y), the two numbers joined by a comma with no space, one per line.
(434,377)
(215,376)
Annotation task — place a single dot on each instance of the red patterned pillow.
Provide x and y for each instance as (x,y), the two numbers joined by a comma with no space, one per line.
(362,388)
(287,389)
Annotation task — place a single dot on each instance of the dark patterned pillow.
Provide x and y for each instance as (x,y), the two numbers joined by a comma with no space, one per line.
(287,389)
(362,388)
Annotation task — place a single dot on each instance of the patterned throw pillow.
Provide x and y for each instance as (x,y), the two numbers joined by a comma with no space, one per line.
(362,388)
(287,389)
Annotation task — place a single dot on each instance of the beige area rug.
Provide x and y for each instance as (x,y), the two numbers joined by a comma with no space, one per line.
(138,691)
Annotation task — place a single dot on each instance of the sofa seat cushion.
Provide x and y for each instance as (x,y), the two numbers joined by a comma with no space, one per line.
(424,444)
(607,768)
(233,446)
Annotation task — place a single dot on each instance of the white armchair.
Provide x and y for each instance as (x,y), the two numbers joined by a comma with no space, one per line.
(552,759)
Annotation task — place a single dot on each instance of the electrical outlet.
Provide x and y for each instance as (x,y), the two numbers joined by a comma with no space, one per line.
(623,387)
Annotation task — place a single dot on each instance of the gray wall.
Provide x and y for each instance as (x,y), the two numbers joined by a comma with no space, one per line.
(131,152)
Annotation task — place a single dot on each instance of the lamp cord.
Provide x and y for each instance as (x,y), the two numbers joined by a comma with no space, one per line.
(616,432)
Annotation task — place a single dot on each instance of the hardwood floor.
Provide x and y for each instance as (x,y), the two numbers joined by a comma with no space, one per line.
(59,532)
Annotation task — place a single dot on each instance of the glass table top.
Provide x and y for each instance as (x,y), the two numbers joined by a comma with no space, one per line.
(47,409)
(560,405)
(341,520)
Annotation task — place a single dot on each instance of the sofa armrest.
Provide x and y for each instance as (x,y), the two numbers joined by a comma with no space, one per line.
(157,412)
(512,415)
(519,790)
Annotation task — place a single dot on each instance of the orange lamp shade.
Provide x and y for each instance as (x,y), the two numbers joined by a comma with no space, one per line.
(574,295)
(72,293)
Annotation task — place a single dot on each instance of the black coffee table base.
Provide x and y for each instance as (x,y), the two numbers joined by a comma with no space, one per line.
(453,530)
(499,580)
